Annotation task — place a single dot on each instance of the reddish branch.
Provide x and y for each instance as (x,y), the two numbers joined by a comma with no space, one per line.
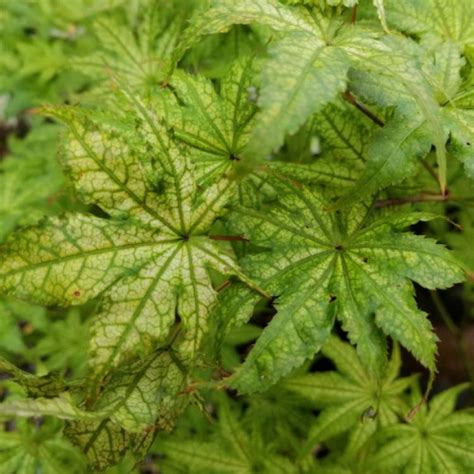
(229,238)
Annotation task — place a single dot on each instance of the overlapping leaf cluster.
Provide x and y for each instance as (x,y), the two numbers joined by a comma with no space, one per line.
(229,161)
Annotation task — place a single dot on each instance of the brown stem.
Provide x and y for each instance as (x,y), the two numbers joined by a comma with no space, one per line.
(229,238)
(223,285)
(420,198)
(352,100)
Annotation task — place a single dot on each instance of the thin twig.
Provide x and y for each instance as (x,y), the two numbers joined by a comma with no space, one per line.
(229,238)
(352,100)
(420,198)
(223,285)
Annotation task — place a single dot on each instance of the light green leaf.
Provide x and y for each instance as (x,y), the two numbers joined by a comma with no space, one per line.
(222,15)
(393,154)
(302,75)
(436,440)
(47,386)
(148,262)
(447,19)
(355,264)
(105,444)
(145,393)
(31,449)
(217,125)
(379,5)
(142,62)
(137,396)
(61,407)
(351,397)
(400,83)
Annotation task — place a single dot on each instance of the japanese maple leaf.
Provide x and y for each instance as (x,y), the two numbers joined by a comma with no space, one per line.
(351,399)
(216,123)
(355,265)
(149,261)
(437,439)
(233,449)
(396,149)
(31,449)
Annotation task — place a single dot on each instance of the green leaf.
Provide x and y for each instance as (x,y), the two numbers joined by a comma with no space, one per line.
(307,68)
(140,55)
(28,179)
(231,449)
(416,124)
(145,393)
(354,264)
(105,444)
(137,396)
(222,15)
(352,396)
(379,5)
(33,449)
(149,261)
(61,407)
(47,386)
(215,125)
(435,438)
(393,154)
(449,19)
(301,76)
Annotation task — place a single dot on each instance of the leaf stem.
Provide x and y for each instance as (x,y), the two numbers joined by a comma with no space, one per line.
(349,97)
(440,198)
(229,238)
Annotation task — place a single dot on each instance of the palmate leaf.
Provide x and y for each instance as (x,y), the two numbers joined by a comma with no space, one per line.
(345,134)
(216,126)
(397,148)
(139,399)
(231,449)
(32,449)
(456,96)
(353,265)
(351,398)
(148,262)
(435,440)
(447,19)
(139,55)
(306,69)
